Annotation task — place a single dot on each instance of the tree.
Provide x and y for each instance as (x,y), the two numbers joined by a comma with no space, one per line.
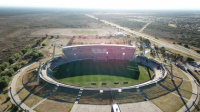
(156,47)
(189,59)
(16,67)
(9,72)
(36,54)
(4,65)
(141,48)
(43,44)
(23,63)
(17,56)
(26,49)
(186,46)
(152,52)
(12,60)
(162,50)
(147,42)
(4,81)
(20,53)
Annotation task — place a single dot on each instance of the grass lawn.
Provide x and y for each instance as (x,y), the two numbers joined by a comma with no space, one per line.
(185,89)
(169,103)
(54,106)
(83,73)
(5,103)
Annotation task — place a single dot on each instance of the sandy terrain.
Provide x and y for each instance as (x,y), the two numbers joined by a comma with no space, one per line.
(69,32)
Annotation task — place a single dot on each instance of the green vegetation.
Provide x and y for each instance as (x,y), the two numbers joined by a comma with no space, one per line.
(123,21)
(4,81)
(7,70)
(190,59)
(169,103)
(4,65)
(178,34)
(84,73)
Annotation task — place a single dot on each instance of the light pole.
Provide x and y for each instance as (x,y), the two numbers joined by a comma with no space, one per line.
(171,70)
(143,44)
(54,45)
(38,75)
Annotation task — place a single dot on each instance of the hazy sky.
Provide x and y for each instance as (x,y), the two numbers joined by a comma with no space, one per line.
(107,4)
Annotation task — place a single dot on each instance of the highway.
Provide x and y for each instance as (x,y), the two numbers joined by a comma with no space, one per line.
(164,44)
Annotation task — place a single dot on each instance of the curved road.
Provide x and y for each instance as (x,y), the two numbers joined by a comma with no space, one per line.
(13,94)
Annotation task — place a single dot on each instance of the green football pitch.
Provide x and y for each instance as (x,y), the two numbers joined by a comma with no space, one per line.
(110,73)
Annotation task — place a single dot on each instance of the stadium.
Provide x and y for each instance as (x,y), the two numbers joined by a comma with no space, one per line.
(108,83)
(102,74)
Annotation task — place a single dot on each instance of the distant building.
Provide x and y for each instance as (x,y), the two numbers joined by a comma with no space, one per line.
(119,34)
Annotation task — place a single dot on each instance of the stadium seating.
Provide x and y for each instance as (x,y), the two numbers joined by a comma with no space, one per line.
(99,52)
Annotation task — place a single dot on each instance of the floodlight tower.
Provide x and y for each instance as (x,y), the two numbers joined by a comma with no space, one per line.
(106,55)
(143,44)
(123,55)
(171,70)
(54,46)
(38,75)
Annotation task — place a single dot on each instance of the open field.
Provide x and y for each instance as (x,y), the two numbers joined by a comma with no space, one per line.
(26,26)
(93,74)
(84,31)
(104,31)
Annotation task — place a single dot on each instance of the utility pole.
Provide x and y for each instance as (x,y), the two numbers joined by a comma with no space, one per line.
(38,75)
(143,44)
(171,71)
(54,45)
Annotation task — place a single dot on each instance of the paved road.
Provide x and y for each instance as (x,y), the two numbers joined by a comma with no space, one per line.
(164,44)
(13,94)
(145,26)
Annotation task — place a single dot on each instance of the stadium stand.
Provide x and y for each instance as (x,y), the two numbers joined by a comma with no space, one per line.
(95,97)
(127,96)
(64,94)
(98,52)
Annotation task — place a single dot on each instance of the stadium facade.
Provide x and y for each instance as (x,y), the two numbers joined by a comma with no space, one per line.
(98,52)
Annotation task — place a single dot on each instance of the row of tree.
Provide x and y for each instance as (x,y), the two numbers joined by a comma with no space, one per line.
(169,55)
(8,69)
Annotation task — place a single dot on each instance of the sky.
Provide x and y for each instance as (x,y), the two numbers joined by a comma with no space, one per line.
(107,4)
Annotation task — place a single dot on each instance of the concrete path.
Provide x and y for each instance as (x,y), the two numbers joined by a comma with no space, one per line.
(146,106)
(91,108)
(13,94)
